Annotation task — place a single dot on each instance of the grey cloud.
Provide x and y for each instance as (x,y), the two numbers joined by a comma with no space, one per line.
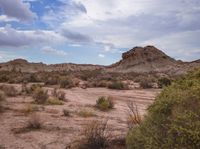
(17,38)
(75,36)
(17,9)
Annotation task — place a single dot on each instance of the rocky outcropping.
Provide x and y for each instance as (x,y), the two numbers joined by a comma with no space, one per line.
(150,59)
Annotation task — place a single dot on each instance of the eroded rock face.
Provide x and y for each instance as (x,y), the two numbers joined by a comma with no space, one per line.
(149,59)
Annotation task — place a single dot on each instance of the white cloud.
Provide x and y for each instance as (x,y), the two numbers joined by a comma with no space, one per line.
(4,18)
(50,50)
(101,55)
(7,56)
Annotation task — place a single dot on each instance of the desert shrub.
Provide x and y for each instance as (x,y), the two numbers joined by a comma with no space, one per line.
(85,113)
(118,85)
(54,101)
(104,103)
(162,82)
(40,96)
(30,108)
(95,136)
(58,94)
(145,84)
(66,112)
(9,90)
(66,82)
(34,122)
(173,119)
(2,98)
(134,117)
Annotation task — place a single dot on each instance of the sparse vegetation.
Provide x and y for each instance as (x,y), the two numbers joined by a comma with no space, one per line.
(86,113)
(145,84)
(34,122)
(163,82)
(54,101)
(30,108)
(9,90)
(58,94)
(66,112)
(118,85)
(173,119)
(40,96)
(134,117)
(105,103)
(2,98)
(66,82)
(95,136)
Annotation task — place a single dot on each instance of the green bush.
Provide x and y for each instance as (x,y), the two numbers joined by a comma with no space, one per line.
(40,96)
(118,85)
(173,120)
(104,103)
(162,82)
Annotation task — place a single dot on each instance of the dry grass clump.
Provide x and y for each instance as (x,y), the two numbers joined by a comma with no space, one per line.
(85,113)
(40,96)
(134,117)
(95,136)
(30,108)
(105,103)
(9,90)
(54,101)
(34,122)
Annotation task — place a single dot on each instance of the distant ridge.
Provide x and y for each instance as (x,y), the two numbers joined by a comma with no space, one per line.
(147,59)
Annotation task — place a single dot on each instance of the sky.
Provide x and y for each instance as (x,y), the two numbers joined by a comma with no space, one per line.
(97,31)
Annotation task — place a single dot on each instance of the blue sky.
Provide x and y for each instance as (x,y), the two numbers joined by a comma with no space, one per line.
(97,31)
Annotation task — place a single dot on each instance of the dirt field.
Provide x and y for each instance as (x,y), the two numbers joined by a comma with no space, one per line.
(57,130)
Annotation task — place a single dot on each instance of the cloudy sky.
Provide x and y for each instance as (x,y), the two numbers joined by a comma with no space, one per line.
(97,31)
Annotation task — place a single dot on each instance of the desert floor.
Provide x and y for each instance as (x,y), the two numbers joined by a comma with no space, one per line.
(58,130)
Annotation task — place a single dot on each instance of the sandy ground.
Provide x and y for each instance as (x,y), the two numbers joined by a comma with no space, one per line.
(58,131)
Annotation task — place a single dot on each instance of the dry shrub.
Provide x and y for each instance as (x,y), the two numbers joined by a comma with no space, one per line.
(85,113)
(54,101)
(118,85)
(59,94)
(105,103)
(146,84)
(9,90)
(134,117)
(66,112)
(30,108)
(34,122)
(2,98)
(66,82)
(95,136)
(40,96)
